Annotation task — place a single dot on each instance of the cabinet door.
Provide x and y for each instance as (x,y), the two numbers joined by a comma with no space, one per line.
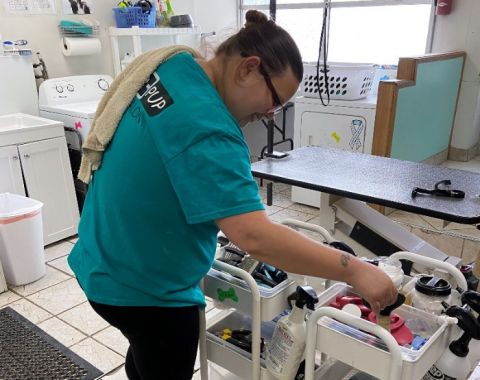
(48,178)
(11,180)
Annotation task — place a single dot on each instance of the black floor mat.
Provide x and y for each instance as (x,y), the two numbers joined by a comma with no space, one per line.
(29,353)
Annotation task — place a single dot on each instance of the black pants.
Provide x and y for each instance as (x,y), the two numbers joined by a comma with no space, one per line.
(163,341)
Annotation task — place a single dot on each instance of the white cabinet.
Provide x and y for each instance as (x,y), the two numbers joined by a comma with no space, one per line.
(48,178)
(10,171)
(40,168)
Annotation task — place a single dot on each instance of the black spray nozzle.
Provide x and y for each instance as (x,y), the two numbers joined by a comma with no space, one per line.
(399,302)
(466,321)
(304,296)
(472,299)
(388,310)
(469,324)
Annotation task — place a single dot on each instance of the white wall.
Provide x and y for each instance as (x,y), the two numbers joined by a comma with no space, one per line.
(461,31)
(458,31)
(42,32)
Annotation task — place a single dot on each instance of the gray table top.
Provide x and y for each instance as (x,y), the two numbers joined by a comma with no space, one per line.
(380,180)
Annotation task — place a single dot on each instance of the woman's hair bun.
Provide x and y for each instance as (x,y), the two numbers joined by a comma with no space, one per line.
(254,17)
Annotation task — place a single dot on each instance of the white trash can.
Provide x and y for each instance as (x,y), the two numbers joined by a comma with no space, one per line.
(21,239)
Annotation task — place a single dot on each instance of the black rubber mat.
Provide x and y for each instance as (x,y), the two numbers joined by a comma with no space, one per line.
(29,353)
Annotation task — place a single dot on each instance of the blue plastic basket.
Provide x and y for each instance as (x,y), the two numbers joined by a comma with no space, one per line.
(134,16)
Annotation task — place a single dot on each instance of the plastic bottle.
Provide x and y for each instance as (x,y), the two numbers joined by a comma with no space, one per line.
(476,270)
(472,299)
(170,11)
(429,294)
(454,364)
(285,352)
(165,11)
(126,60)
(162,19)
(393,269)
(474,354)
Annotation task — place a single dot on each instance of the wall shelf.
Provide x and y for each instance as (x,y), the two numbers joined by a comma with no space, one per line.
(136,34)
(136,31)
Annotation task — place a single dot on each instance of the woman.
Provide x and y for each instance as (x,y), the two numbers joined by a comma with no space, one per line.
(175,172)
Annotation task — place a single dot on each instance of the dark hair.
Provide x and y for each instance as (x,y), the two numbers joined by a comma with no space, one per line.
(265,39)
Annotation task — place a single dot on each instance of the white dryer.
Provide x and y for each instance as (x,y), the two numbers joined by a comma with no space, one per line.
(343,124)
(73,101)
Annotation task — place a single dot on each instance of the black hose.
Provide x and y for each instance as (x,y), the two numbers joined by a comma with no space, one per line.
(273,10)
(323,47)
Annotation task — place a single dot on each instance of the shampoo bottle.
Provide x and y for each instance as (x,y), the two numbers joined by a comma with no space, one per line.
(285,351)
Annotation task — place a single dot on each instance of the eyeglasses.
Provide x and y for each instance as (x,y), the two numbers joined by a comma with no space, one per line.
(277,102)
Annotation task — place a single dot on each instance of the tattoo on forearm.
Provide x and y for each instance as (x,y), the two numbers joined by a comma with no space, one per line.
(345,259)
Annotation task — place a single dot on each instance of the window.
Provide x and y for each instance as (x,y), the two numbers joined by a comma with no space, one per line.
(367,31)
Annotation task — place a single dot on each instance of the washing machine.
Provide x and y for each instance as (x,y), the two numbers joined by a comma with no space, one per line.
(342,124)
(73,101)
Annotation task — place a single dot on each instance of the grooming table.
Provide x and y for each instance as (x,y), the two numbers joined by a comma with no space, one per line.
(379,180)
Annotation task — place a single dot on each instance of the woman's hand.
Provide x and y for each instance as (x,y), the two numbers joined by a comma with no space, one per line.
(374,286)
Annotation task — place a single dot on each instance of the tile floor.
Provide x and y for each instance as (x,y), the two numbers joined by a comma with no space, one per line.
(57,305)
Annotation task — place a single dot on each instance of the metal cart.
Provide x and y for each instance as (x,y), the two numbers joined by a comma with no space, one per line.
(340,336)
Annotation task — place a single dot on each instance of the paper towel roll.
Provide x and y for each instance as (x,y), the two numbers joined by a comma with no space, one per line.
(73,46)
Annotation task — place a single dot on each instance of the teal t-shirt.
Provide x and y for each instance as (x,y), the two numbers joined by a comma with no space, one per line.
(177,162)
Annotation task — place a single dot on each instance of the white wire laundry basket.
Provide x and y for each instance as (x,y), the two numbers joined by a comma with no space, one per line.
(345,81)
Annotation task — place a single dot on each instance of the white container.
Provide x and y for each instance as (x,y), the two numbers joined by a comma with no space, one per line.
(429,293)
(394,271)
(449,366)
(234,292)
(21,239)
(346,81)
(368,353)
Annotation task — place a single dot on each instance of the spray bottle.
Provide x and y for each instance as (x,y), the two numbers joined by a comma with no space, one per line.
(164,12)
(472,299)
(454,364)
(285,352)
(476,270)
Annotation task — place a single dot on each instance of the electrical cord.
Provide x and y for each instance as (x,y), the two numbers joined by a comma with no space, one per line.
(273,10)
(323,48)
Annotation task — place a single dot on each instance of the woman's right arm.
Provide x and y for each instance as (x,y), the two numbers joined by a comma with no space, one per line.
(289,250)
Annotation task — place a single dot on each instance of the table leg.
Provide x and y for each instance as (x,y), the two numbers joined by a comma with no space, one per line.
(327,212)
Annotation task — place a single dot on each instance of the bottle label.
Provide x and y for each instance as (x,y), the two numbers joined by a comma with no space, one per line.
(280,350)
(435,374)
